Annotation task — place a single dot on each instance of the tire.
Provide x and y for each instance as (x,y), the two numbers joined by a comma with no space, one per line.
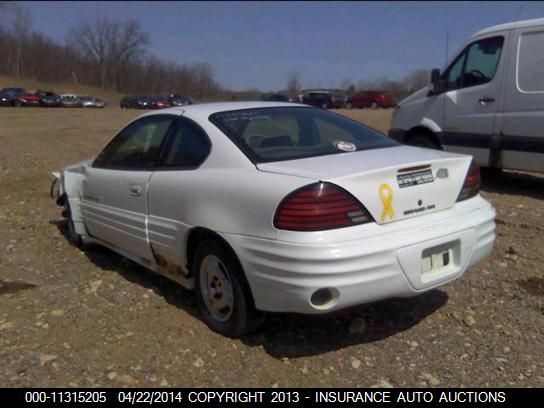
(222,293)
(374,105)
(349,105)
(324,105)
(17,103)
(423,141)
(73,237)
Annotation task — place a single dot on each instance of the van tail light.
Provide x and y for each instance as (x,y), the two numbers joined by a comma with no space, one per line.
(471,186)
(320,206)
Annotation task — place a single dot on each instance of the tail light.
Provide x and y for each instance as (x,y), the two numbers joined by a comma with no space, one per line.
(320,206)
(472,182)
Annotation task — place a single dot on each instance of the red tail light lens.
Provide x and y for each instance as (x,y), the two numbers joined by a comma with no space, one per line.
(320,206)
(472,182)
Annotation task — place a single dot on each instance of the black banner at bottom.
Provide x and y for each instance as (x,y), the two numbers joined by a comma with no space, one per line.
(15,397)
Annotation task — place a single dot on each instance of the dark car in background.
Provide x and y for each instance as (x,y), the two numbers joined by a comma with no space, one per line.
(91,102)
(6,99)
(20,97)
(371,99)
(179,100)
(136,102)
(324,99)
(48,99)
(277,98)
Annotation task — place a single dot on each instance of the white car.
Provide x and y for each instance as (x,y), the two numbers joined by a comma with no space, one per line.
(266,206)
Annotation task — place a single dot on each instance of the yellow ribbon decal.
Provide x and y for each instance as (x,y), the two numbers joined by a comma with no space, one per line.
(387,201)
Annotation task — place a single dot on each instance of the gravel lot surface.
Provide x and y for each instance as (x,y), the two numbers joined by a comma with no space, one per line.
(85,319)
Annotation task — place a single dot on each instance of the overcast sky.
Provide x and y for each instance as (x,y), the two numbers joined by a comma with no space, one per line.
(259,44)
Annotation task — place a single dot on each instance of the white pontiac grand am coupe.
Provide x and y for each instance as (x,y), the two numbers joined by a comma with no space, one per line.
(265,206)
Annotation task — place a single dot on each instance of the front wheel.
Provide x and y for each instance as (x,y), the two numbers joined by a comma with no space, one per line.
(222,293)
(349,105)
(324,105)
(73,237)
(374,105)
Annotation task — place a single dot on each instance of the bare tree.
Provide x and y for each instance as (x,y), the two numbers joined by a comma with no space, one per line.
(19,27)
(417,79)
(111,45)
(294,85)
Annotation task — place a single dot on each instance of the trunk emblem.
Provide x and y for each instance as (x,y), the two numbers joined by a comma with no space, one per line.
(387,201)
(442,173)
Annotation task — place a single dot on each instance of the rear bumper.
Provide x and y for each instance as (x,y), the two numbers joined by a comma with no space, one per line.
(284,275)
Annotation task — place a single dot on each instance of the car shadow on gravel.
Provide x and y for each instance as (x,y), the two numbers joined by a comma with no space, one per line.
(294,336)
(513,183)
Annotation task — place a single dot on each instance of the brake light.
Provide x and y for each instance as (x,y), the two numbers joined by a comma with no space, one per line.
(472,182)
(320,206)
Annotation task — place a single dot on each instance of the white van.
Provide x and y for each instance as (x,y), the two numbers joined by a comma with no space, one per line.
(488,102)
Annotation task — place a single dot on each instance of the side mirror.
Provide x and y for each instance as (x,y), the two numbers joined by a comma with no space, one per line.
(436,81)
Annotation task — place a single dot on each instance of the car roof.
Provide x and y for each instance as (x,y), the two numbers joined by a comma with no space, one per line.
(207,109)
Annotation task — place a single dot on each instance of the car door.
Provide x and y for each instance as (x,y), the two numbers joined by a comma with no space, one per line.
(176,181)
(114,189)
(471,100)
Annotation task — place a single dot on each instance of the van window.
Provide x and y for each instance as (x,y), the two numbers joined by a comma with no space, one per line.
(530,66)
(476,65)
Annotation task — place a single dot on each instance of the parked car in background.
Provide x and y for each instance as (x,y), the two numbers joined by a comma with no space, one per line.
(6,99)
(136,102)
(370,99)
(90,102)
(69,101)
(26,99)
(268,206)
(13,92)
(179,100)
(160,102)
(48,99)
(324,99)
(487,102)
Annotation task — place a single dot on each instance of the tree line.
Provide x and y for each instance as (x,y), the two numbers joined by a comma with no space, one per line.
(101,52)
(111,54)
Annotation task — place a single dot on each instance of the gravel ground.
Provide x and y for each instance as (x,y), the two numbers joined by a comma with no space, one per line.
(85,319)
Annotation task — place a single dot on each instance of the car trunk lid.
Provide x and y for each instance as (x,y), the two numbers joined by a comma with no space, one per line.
(392,183)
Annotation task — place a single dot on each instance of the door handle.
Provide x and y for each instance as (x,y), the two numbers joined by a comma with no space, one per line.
(135,189)
(486,99)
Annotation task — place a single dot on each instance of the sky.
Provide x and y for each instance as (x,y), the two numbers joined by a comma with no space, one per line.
(258,44)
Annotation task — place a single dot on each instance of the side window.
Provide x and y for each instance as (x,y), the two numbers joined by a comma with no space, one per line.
(188,147)
(476,65)
(137,146)
(530,66)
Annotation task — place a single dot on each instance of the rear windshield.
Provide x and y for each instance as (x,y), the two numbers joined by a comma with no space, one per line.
(287,133)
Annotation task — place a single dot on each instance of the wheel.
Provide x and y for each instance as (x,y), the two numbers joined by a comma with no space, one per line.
(423,141)
(374,105)
(17,103)
(73,237)
(324,105)
(222,293)
(349,105)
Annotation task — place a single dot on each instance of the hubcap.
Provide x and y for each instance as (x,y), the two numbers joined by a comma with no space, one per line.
(216,288)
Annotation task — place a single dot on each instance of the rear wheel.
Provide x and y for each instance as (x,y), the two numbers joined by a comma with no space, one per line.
(222,293)
(324,105)
(374,105)
(349,105)
(17,103)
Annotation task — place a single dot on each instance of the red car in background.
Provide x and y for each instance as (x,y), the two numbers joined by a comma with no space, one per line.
(372,99)
(20,97)
(160,103)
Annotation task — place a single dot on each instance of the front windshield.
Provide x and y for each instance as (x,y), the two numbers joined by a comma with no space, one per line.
(286,133)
